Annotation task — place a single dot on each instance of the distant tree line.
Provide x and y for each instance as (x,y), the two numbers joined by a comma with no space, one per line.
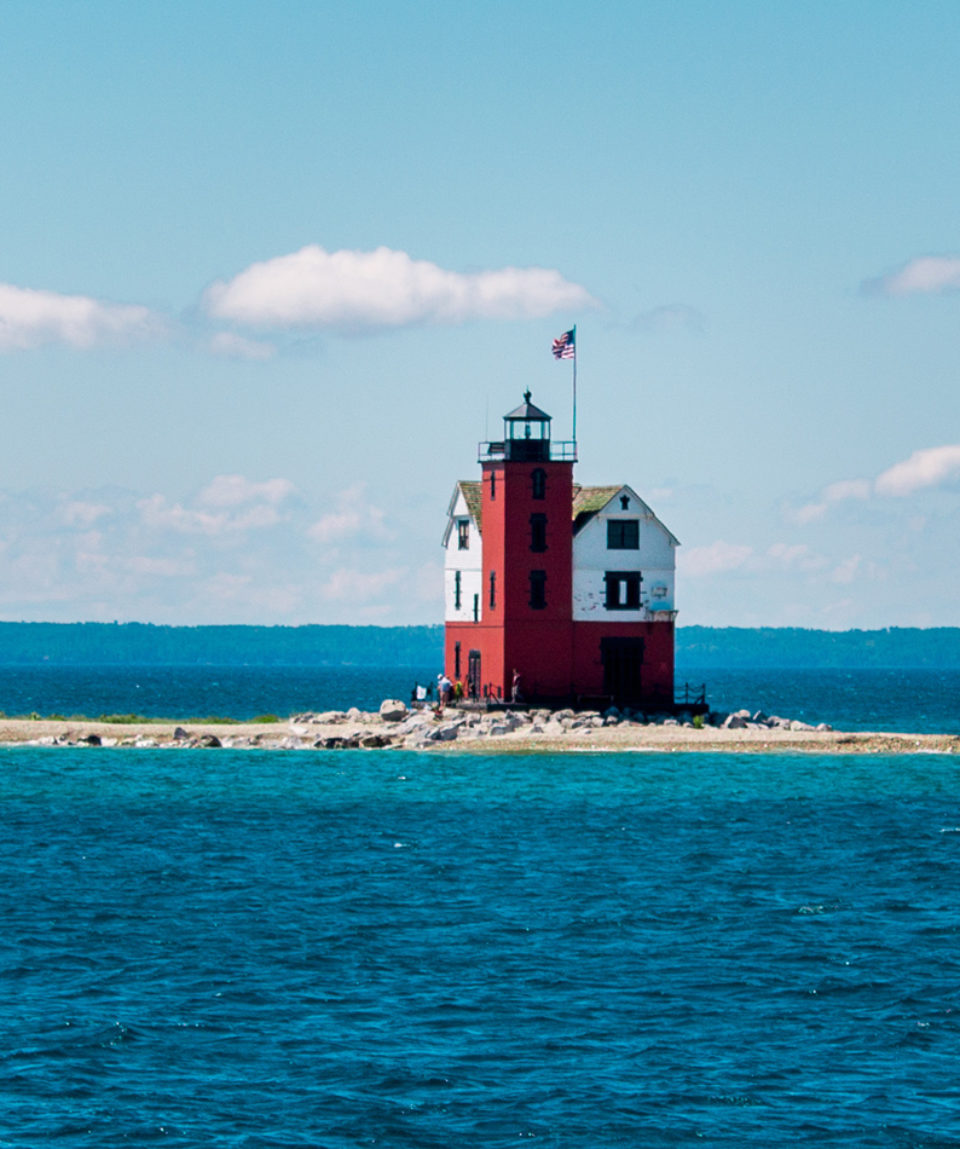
(143,644)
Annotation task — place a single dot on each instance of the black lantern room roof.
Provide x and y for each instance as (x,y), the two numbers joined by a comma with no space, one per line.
(528,413)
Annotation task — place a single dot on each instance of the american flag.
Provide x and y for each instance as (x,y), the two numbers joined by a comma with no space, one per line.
(566,346)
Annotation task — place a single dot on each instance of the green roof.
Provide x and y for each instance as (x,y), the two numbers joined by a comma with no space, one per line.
(589,500)
(472,492)
(586,500)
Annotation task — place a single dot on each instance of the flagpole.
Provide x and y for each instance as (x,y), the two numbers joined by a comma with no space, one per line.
(574,389)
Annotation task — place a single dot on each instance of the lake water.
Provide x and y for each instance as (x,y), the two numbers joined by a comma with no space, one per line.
(905,700)
(296,949)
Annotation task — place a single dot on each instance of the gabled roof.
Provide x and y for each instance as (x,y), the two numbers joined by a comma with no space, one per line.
(587,502)
(472,493)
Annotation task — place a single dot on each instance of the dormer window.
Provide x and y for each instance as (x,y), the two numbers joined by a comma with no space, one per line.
(623,534)
(463,534)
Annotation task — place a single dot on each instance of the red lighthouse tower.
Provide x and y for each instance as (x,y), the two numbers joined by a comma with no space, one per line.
(528,599)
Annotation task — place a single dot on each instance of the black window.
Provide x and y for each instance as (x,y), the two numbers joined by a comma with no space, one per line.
(624,502)
(538,589)
(493,589)
(463,534)
(493,485)
(456,660)
(539,478)
(623,590)
(623,535)
(456,590)
(538,532)
(476,608)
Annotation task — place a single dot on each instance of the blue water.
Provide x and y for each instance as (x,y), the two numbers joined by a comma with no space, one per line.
(904,700)
(268,949)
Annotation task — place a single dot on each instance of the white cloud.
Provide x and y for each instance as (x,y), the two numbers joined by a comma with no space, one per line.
(717,558)
(930,467)
(30,318)
(846,571)
(229,504)
(235,346)
(80,513)
(926,275)
(354,291)
(235,490)
(353,517)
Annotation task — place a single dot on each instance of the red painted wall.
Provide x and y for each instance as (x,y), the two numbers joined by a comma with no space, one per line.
(658,669)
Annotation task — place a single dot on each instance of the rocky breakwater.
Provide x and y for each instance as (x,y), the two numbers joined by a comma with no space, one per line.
(397,726)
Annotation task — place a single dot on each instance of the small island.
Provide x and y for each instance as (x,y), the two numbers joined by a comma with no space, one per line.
(505,731)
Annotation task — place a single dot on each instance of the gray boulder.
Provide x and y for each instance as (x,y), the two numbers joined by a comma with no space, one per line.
(393,710)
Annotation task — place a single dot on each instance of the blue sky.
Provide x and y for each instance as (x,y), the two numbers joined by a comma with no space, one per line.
(269,271)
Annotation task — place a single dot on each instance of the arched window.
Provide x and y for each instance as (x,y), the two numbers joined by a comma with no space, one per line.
(539,478)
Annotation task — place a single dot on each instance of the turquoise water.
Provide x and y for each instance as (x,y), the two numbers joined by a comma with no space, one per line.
(224,948)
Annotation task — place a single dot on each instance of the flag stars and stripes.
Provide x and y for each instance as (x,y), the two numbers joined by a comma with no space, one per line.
(565,346)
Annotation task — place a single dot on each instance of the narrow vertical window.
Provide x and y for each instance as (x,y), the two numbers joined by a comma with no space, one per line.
(493,589)
(493,485)
(538,533)
(539,478)
(457,577)
(476,608)
(456,660)
(538,590)
(463,534)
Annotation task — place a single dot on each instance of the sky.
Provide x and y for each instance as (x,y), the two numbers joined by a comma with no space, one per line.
(269,272)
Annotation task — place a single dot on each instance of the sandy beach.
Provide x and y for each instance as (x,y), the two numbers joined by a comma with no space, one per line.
(369,731)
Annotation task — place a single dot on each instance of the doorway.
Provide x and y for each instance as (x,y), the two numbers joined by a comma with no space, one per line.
(622,669)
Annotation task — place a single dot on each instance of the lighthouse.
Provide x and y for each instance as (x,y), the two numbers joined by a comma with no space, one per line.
(556,593)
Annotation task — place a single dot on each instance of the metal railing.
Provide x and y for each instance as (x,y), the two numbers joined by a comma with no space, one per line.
(564,451)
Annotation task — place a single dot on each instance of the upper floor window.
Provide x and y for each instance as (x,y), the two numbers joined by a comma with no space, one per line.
(623,535)
(539,479)
(624,502)
(493,589)
(538,590)
(623,590)
(463,534)
(493,485)
(457,589)
(538,533)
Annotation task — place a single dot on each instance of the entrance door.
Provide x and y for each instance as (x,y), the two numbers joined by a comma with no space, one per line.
(473,674)
(622,669)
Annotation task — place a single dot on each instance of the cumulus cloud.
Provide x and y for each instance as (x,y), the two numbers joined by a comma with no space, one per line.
(30,318)
(352,517)
(230,504)
(931,467)
(716,558)
(235,491)
(925,275)
(925,469)
(355,291)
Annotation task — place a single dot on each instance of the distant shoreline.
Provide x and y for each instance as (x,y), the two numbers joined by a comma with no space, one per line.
(370,732)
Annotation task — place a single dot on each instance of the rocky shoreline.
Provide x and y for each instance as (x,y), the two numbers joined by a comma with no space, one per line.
(395,726)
